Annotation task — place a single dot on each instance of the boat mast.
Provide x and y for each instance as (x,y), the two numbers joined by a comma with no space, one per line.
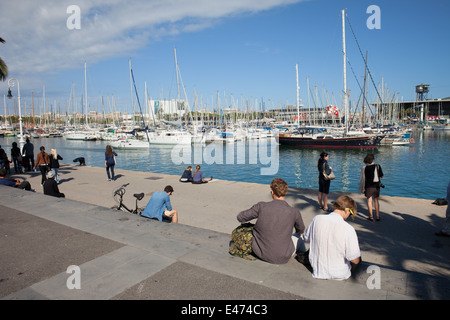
(178,84)
(131,92)
(364,94)
(309,104)
(32,103)
(176,70)
(345,73)
(298,111)
(85,94)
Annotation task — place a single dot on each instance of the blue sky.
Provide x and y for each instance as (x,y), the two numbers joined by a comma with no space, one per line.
(242,49)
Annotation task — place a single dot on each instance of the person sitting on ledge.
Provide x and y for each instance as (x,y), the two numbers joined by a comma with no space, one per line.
(334,249)
(51,186)
(25,185)
(273,240)
(159,207)
(198,176)
(187,175)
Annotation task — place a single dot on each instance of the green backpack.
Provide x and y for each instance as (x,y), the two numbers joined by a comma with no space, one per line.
(241,241)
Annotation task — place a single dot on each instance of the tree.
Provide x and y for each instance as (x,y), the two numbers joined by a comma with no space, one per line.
(3,67)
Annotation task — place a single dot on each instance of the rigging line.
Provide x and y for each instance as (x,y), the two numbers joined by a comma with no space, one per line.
(359,85)
(139,103)
(365,62)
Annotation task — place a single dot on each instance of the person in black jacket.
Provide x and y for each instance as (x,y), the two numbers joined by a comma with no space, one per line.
(187,175)
(16,157)
(54,163)
(371,175)
(28,155)
(51,187)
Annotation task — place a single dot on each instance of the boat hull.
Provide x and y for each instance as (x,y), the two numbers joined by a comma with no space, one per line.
(365,142)
(130,144)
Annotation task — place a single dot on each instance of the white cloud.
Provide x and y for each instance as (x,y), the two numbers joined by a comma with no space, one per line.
(39,45)
(38,40)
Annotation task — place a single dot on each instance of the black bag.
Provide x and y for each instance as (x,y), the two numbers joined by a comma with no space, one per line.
(440,202)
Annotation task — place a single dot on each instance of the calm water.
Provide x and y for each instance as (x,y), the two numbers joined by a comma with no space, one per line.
(417,171)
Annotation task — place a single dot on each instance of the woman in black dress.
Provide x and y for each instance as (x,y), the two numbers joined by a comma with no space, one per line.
(324,185)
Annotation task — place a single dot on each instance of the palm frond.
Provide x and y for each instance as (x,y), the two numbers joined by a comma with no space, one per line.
(3,70)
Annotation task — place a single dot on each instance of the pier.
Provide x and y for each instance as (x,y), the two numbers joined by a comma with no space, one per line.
(124,256)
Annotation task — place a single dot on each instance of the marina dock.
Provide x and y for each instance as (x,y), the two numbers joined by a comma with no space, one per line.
(124,256)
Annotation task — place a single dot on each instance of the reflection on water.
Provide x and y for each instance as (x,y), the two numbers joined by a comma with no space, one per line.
(417,171)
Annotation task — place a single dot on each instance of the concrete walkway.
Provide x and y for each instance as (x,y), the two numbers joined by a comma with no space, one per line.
(124,256)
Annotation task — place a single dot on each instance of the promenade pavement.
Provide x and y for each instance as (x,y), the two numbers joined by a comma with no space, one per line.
(123,256)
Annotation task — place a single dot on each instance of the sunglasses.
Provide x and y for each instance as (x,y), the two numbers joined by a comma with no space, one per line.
(351,211)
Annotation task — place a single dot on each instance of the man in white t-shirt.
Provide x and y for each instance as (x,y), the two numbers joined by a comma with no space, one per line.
(333,242)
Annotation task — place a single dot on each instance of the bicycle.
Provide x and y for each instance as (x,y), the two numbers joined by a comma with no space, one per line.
(118,197)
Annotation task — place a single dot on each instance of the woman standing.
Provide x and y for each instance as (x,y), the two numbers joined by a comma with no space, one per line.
(370,183)
(110,162)
(324,185)
(43,161)
(54,163)
(16,157)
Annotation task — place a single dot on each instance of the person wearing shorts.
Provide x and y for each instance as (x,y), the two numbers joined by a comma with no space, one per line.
(160,208)
(370,183)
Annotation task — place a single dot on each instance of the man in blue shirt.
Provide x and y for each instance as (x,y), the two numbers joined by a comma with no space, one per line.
(159,207)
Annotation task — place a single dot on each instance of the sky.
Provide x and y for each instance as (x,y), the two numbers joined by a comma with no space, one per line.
(242,51)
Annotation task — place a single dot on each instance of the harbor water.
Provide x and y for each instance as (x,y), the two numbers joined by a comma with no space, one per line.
(417,170)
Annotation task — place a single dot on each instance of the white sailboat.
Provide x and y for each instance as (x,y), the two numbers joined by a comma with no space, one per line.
(131,141)
(170,137)
(85,135)
(175,136)
(130,144)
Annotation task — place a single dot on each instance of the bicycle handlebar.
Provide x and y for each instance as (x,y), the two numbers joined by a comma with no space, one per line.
(121,190)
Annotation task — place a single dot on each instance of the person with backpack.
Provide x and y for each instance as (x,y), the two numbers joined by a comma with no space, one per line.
(271,237)
(370,183)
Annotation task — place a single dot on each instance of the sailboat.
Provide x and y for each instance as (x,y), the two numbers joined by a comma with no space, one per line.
(311,138)
(173,136)
(130,141)
(129,144)
(85,135)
